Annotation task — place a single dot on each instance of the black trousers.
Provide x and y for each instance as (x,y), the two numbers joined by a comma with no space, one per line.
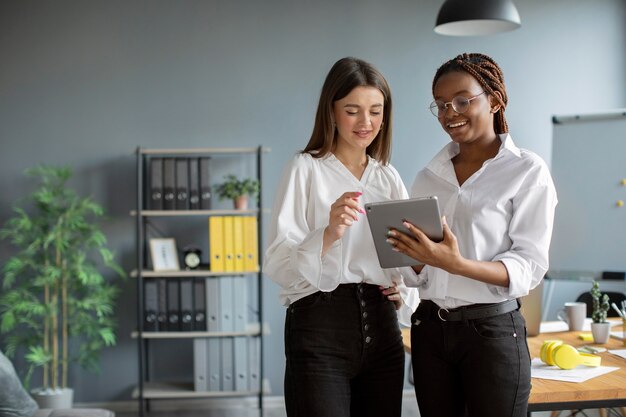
(344,355)
(475,368)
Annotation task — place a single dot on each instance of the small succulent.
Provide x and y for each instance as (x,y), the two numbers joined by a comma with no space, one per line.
(600,304)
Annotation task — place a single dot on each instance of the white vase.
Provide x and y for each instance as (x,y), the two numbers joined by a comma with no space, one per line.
(61,398)
(601,332)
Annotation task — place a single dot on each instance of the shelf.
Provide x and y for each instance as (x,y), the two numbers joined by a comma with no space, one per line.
(189,151)
(163,390)
(190,273)
(191,335)
(206,213)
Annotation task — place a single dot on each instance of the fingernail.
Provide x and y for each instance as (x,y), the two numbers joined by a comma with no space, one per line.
(390,241)
(407,224)
(395,249)
(391,233)
(361,210)
(359,193)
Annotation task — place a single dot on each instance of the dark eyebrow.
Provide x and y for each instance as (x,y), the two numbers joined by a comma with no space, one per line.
(357,106)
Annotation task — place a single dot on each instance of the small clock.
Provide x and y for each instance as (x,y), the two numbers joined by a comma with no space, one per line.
(191,257)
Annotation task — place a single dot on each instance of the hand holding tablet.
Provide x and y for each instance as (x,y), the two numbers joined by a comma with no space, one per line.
(422,212)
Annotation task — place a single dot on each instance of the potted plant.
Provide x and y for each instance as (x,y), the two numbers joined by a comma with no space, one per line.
(55,304)
(238,190)
(600,327)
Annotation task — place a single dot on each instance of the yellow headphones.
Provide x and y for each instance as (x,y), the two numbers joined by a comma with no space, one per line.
(555,352)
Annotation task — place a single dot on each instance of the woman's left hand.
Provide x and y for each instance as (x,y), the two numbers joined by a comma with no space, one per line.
(393,294)
(444,254)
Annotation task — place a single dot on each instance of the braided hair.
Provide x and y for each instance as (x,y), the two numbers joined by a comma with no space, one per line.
(488,74)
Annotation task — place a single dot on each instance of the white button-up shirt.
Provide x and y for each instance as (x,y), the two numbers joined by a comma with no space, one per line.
(503,212)
(293,259)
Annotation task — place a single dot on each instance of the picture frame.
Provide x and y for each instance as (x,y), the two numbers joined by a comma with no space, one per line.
(164,255)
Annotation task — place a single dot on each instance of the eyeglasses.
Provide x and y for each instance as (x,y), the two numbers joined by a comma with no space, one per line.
(459,104)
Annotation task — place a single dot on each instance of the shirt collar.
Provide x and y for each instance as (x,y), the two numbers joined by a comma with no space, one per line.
(442,159)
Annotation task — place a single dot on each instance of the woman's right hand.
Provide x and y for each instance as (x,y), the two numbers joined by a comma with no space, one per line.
(343,212)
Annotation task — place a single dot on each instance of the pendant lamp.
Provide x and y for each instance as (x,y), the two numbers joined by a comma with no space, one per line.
(477,17)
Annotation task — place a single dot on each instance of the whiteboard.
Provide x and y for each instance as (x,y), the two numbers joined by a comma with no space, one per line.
(588,165)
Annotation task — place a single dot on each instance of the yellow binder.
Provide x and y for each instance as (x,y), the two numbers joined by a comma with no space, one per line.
(229,245)
(251,244)
(216,243)
(238,239)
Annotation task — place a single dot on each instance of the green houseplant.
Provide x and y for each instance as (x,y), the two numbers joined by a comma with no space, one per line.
(238,190)
(55,303)
(600,327)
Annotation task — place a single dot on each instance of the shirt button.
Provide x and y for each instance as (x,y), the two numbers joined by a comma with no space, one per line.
(366,327)
(360,289)
(362,303)
(365,314)
(368,339)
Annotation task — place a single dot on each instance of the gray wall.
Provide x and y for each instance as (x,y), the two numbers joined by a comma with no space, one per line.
(85,82)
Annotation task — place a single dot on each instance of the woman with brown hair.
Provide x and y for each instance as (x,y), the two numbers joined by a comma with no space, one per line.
(344,353)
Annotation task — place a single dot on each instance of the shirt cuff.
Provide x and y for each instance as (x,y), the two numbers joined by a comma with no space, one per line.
(519,278)
(324,273)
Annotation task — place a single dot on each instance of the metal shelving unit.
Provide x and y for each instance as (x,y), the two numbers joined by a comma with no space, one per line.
(148,389)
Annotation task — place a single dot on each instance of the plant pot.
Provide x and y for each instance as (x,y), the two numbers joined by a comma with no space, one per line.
(601,332)
(241,202)
(61,398)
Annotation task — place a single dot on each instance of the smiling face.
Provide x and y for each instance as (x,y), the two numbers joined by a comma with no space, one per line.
(475,125)
(358,117)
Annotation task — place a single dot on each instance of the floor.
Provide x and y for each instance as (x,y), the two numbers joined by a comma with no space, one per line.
(409,410)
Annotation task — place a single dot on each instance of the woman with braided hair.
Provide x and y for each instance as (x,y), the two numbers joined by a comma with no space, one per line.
(468,338)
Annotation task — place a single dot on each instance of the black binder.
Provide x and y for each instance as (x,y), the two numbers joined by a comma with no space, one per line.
(194,184)
(182,184)
(205,183)
(186,305)
(173,305)
(154,192)
(150,306)
(162,304)
(199,305)
(169,183)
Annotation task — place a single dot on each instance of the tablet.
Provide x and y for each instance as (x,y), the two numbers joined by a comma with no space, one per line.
(423,212)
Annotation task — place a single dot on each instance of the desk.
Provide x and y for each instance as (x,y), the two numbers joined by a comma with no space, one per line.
(608,390)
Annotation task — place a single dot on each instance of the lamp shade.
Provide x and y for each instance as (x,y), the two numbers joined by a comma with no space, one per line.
(477,17)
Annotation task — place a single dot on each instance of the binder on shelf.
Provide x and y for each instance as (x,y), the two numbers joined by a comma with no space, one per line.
(214,371)
(228,380)
(173,305)
(216,243)
(212,299)
(254,360)
(155,189)
(205,183)
(162,304)
(212,287)
(194,184)
(240,302)
(226,307)
(237,233)
(251,244)
(240,360)
(229,244)
(182,184)
(199,304)
(200,365)
(169,184)
(150,306)
(186,305)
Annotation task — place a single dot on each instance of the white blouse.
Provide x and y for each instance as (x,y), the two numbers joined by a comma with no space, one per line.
(503,212)
(293,259)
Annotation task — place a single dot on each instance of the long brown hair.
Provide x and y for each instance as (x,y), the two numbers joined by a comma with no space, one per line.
(488,74)
(343,77)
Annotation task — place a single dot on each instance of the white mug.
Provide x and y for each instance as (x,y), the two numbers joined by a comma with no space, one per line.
(573,314)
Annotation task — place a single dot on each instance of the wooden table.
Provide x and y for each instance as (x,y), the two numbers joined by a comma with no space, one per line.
(608,390)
